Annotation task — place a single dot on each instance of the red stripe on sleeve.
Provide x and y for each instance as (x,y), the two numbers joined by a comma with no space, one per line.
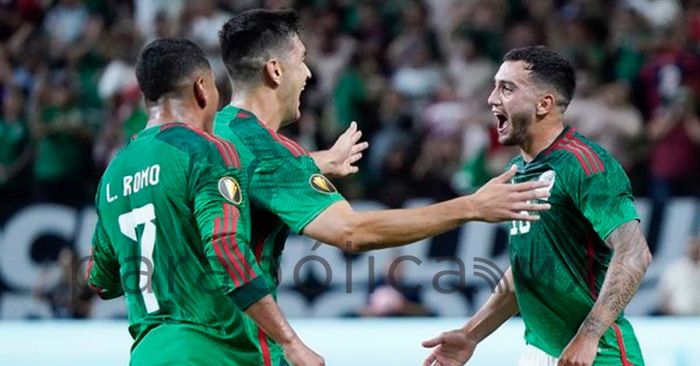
(216,243)
(225,154)
(227,237)
(287,144)
(231,150)
(585,152)
(594,158)
(578,155)
(277,137)
(235,214)
(295,144)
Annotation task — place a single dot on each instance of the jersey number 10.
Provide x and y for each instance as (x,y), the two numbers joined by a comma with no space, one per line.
(144,215)
(519,227)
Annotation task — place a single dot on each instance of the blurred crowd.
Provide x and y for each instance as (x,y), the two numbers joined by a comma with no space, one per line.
(414,74)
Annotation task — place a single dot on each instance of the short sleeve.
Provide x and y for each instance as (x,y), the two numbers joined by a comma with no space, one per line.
(604,197)
(293,188)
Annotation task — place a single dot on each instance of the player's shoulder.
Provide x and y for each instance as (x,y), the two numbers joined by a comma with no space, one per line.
(244,127)
(572,151)
(198,144)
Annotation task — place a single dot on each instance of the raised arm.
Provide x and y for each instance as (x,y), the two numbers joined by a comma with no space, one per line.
(339,160)
(455,347)
(629,262)
(340,226)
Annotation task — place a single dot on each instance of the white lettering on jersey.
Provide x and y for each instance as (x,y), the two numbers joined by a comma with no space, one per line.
(140,180)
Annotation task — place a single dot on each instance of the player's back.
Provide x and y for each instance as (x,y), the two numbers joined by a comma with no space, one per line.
(163,230)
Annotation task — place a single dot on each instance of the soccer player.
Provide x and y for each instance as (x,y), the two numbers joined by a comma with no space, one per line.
(173,233)
(573,271)
(264,57)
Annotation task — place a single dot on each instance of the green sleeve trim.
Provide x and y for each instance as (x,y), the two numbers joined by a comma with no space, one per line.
(617,225)
(249,294)
(299,227)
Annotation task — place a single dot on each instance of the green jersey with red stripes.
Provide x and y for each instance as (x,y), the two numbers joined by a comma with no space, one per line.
(287,190)
(559,263)
(173,236)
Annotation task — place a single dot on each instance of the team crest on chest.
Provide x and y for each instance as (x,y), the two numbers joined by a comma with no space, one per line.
(231,190)
(321,184)
(549,176)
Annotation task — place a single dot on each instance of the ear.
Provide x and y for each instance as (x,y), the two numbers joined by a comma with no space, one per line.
(546,104)
(273,71)
(200,93)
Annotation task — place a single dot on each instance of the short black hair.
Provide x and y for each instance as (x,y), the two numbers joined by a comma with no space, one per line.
(164,64)
(252,37)
(547,67)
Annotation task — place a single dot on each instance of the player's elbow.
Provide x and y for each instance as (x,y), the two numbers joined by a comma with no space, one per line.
(354,237)
(348,239)
(646,258)
(639,260)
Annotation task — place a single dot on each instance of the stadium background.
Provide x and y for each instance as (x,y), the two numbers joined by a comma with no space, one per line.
(415,76)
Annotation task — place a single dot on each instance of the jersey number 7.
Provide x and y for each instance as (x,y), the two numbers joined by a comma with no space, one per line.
(144,215)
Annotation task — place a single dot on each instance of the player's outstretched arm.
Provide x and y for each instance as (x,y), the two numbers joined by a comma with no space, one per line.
(340,159)
(267,314)
(629,262)
(498,200)
(455,347)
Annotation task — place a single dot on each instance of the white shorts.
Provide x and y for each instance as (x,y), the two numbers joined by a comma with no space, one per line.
(534,356)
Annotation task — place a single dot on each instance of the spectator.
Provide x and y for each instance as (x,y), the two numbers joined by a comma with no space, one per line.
(675,155)
(609,118)
(419,77)
(15,153)
(679,290)
(329,51)
(659,13)
(468,67)
(68,298)
(118,89)
(63,137)
(393,296)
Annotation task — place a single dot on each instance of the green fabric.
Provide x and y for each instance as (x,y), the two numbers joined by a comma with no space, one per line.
(59,154)
(473,173)
(184,344)
(248,295)
(559,263)
(349,97)
(281,194)
(135,123)
(199,228)
(13,139)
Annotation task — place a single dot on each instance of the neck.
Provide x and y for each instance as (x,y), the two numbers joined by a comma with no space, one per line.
(263,103)
(168,111)
(542,136)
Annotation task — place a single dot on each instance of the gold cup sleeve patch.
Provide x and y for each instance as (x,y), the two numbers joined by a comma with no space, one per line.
(322,184)
(231,190)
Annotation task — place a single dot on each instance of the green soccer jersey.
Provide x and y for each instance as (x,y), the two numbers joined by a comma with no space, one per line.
(173,236)
(287,190)
(559,263)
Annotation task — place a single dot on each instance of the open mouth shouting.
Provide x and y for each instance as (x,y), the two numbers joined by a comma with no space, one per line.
(503,121)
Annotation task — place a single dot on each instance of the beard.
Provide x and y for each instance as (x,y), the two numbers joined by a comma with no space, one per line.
(519,125)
